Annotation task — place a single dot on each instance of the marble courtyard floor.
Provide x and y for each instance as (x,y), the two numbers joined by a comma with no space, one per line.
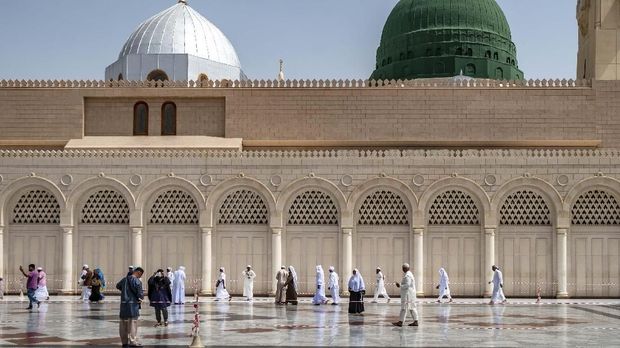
(467,322)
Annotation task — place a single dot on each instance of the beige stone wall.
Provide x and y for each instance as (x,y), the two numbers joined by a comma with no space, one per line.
(425,115)
(40,114)
(114,116)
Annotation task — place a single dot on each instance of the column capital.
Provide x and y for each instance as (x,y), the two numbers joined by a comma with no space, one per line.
(276,230)
(1,229)
(561,230)
(137,230)
(206,230)
(418,230)
(490,230)
(347,230)
(67,229)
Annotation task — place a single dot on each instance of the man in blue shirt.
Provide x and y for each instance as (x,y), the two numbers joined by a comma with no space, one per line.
(131,299)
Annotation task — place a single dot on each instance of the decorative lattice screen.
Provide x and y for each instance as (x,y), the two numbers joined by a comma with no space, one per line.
(36,207)
(596,208)
(383,208)
(454,208)
(105,207)
(313,208)
(243,207)
(525,208)
(174,207)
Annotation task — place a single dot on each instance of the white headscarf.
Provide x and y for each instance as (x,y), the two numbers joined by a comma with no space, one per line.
(332,268)
(182,268)
(320,275)
(356,282)
(294,275)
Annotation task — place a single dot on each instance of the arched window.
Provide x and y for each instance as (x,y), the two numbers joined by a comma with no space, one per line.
(141,118)
(120,77)
(470,52)
(499,74)
(470,70)
(496,56)
(389,60)
(429,52)
(383,62)
(487,54)
(459,51)
(438,51)
(157,75)
(508,60)
(169,119)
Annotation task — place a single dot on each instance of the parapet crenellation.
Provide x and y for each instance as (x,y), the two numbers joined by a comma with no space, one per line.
(424,83)
(287,154)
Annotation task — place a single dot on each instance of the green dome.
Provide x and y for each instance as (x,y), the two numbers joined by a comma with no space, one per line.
(441,38)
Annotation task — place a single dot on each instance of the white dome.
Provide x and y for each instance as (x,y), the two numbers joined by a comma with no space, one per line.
(181,30)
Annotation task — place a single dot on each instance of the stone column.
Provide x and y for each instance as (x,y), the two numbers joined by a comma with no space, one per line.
(418,266)
(276,255)
(347,258)
(207,252)
(67,260)
(489,260)
(136,254)
(2,253)
(562,261)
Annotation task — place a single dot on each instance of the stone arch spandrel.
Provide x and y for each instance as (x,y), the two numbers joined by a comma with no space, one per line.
(88,185)
(221,190)
(147,193)
(293,189)
(559,217)
(362,191)
(23,183)
(455,183)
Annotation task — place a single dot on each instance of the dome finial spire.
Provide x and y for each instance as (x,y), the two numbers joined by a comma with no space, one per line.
(183,2)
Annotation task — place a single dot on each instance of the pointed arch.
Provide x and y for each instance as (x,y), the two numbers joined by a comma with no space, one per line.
(89,185)
(23,183)
(221,190)
(441,186)
(150,190)
(396,186)
(559,217)
(292,190)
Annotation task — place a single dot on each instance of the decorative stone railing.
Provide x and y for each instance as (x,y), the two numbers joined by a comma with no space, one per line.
(253,154)
(424,83)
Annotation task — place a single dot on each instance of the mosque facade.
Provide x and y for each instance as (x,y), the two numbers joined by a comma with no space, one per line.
(178,158)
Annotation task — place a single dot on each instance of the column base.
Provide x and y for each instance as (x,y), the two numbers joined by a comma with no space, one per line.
(562,295)
(67,292)
(420,294)
(205,293)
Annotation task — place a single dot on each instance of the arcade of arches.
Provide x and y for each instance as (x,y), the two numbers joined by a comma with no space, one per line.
(523,228)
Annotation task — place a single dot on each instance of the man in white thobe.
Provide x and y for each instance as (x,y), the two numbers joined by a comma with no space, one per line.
(444,285)
(248,283)
(333,285)
(170,275)
(408,297)
(380,289)
(498,285)
(178,287)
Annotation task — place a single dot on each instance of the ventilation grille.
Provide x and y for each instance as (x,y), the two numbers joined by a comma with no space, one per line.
(525,208)
(174,207)
(243,207)
(37,207)
(383,208)
(454,208)
(313,208)
(596,208)
(105,207)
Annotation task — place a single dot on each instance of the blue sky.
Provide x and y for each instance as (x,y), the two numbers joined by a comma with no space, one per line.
(77,39)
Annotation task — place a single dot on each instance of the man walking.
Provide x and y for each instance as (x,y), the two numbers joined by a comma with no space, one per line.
(131,299)
(333,285)
(281,288)
(31,284)
(498,285)
(408,297)
(380,289)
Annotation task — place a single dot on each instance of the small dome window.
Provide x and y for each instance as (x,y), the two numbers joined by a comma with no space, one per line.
(470,70)
(389,60)
(470,52)
(496,56)
(459,51)
(157,75)
(438,52)
(120,77)
(487,54)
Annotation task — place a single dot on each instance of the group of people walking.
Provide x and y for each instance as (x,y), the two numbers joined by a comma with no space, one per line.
(93,284)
